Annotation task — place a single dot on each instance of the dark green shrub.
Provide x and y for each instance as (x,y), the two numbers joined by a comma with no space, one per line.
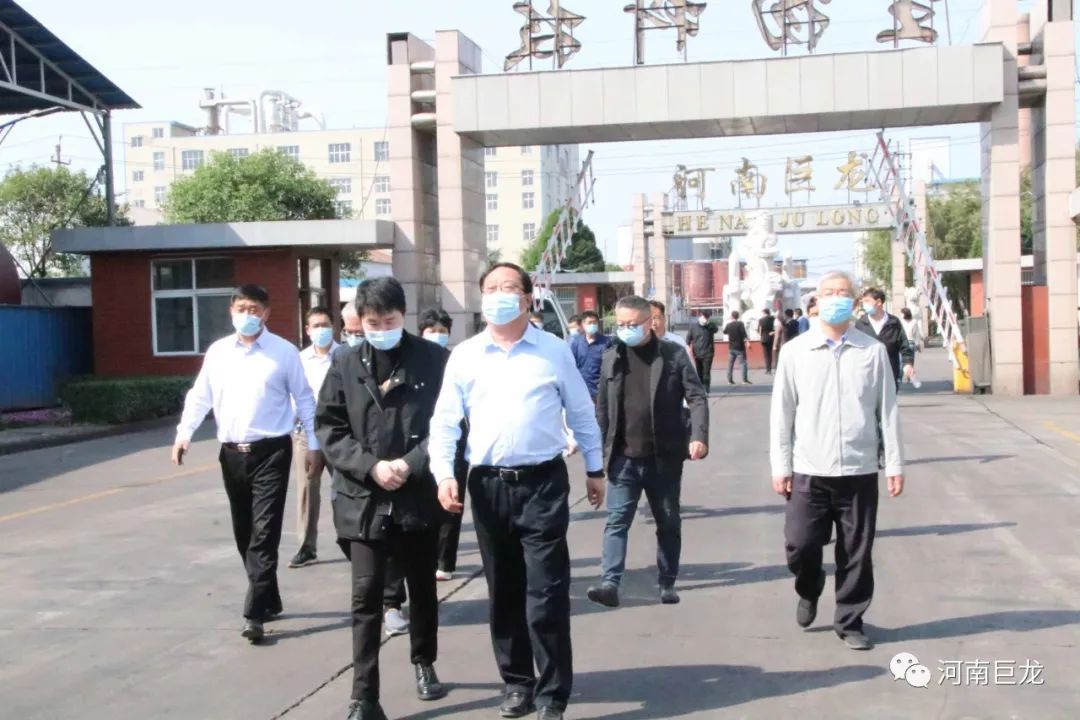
(121,400)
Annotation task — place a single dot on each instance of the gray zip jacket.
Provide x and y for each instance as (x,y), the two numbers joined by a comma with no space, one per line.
(831,406)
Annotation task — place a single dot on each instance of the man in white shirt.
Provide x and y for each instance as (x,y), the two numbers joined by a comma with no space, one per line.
(659,326)
(316,360)
(255,384)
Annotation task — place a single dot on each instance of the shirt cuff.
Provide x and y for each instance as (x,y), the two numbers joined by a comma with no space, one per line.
(594,461)
(891,470)
(782,471)
(313,442)
(183,436)
(441,470)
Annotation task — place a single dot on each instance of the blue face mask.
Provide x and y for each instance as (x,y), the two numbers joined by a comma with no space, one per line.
(383,339)
(440,339)
(246,325)
(590,328)
(632,336)
(353,340)
(869,308)
(501,308)
(835,309)
(322,337)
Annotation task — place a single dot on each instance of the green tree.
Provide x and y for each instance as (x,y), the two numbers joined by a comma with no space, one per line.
(582,256)
(877,257)
(36,201)
(530,256)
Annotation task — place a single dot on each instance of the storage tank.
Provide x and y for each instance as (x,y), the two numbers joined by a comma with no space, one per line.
(10,285)
(697,283)
(798,268)
(720,278)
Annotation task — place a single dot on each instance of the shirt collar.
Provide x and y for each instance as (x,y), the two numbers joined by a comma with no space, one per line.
(258,342)
(531,336)
(309,351)
(851,337)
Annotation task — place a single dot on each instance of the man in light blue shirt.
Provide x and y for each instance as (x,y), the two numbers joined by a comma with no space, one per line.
(513,383)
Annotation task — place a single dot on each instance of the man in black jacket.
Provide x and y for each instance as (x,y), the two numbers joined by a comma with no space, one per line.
(644,382)
(373,415)
(767,332)
(888,330)
(700,338)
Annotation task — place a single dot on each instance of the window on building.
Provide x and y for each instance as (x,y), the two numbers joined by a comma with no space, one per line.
(136,141)
(567,299)
(239,152)
(191,159)
(159,195)
(138,203)
(382,206)
(526,149)
(159,161)
(492,201)
(492,234)
(137,176)
(157,133)
(343,186)
(382,151)
(528,200)
(526,177)
(382,183)
(190,303)
(343,208)
(528,231)
(491,179)
(292,151)
(489,151)
(340,152)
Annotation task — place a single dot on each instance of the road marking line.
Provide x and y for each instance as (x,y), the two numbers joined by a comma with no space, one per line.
(105,493)
(1054,427)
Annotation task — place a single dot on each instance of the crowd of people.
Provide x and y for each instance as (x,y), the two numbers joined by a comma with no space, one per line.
(408,429)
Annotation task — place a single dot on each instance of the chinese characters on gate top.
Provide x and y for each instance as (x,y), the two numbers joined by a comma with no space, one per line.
(782,23)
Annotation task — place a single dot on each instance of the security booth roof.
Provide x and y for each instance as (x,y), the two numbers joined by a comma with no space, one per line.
(43,72)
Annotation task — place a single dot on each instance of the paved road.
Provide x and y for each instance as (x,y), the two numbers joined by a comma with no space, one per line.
(122,592)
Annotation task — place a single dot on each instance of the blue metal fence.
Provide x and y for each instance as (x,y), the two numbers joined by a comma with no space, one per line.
(41,347)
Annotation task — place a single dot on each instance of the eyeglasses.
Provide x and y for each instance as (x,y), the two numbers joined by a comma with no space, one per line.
(506,287)
(630,325)
(835,292)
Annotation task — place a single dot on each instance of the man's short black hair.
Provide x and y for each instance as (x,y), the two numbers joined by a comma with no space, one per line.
(811,303)
(734,314)
(590,314)
(707,314)
(526,281)
(379,296)
(252,292)
(789,313)
(797,311)
(634,302)
(767,311)
(906,314)
(434,316)
(659,306)
(573,319)
(317,310)
(874,293)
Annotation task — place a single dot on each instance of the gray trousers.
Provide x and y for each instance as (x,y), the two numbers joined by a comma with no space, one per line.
(816,504)
(308,496)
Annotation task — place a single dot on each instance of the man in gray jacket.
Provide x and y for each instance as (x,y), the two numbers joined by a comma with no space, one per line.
(833,401)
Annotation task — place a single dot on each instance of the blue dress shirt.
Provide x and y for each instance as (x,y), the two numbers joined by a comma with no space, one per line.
(588,357)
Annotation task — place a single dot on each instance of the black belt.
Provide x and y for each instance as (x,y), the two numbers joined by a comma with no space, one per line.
(257,445)
(517,474)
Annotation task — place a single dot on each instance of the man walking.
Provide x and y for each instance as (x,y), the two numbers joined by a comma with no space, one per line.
(832,404)
(658,313)
(736,336)
(373,415)
(791,324)
(316,360)
(701,338)
(643,385)
(513,383)
(767,333)
(888,330)
(255,384)
(588,349)
(804,322)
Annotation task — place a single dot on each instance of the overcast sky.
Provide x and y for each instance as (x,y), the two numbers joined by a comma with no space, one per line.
(332,53)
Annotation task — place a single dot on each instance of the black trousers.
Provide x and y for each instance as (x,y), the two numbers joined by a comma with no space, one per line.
(256,483)
(416,553)
(816,505)
(449,537)
(394,589)
(521,530)
(766,349)
(704,370)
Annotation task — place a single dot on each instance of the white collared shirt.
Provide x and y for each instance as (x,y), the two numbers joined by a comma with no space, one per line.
(251,391)
(514,400)
(316,366)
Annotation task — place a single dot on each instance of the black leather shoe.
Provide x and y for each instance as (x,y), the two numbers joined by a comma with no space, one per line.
(604,594)
(516,704)
(253,631)
(668,596)
(549,713)
(807,609)
(303,558)
(428,686)
(365,710)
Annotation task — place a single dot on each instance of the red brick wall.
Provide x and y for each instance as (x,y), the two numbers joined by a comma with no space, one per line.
(122,317)
(978,294)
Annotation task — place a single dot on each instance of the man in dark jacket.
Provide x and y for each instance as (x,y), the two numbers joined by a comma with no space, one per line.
(700,338)
(791,325)
(644,382)
(888,330)
(736,337)
(767,332)
(373,416)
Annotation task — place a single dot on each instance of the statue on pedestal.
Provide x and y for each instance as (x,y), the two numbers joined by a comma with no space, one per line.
(764,285)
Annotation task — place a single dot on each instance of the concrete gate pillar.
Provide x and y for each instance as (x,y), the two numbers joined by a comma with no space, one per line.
(640,247)
(462,251)
(1001,208)
(1053,180)
(660,270)
(414,193)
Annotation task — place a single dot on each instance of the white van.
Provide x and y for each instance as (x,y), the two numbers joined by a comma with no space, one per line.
(554,318)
